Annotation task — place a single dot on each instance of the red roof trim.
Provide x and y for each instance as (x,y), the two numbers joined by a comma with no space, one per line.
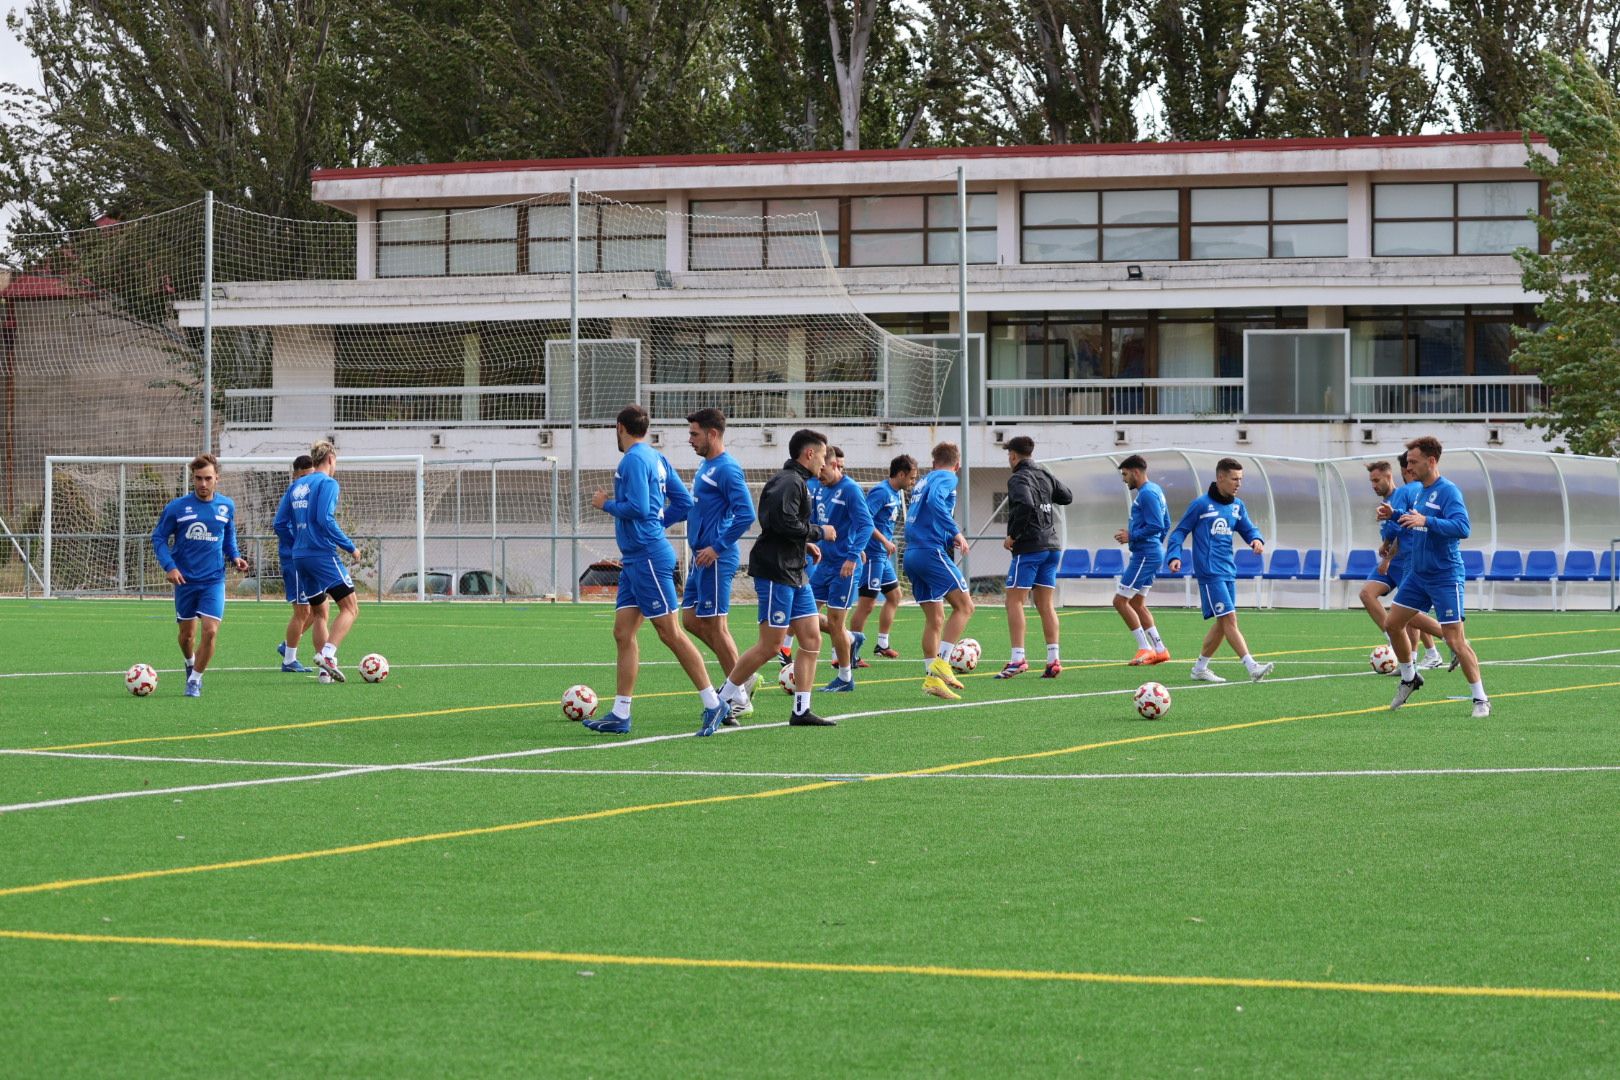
(816,157)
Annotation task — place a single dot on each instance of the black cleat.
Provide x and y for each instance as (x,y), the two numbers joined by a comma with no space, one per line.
(810,719)
(1455,660)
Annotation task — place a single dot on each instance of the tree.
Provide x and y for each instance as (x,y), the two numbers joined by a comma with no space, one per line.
(1490,48)
(1354,69)
(1199,52)
(1577,349)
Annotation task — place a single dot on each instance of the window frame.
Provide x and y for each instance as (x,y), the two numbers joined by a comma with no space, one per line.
(1455,218)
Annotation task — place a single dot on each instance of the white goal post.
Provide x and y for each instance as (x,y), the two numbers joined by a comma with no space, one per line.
(413,464)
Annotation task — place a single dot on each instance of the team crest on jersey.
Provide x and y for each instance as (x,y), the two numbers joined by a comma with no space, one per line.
(1219,527)
(1220,606)
(197,531)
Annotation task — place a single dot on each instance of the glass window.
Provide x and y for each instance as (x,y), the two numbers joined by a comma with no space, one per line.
(886,249)
(1412,201)
(886,212)
(1229,241)
(1516,199)
(942,247)
(1060,245)
(727,253)
(826,211)
(553,221)
(1310,241)
(1493,348)
(1125,244)
(1060,208)
(1150,207)
(410,260)
(1230,204)
(1495,237)
(495,223)
(981,211)
(410,226)
(622,219)
(1330,203)
(636,254)
(1412,238)
(1437,346)
(483,258)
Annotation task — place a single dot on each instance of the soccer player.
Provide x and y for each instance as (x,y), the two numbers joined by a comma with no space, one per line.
(1145,532)
(886,502)
(722,510)
(1395,555)
(837,577)
(303,615)
(931,539)
(1437,524)
(648,496)
(318,570)
(1032,537)
(1211,521)
(202,528)
(787,534)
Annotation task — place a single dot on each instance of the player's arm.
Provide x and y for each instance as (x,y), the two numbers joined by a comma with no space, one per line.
(633,501)
(860,529)
(1061,495)
(739,502)
(677,497)
(161,534)
(1452,521)
(1178,535)
(228,544)
(282,526)
(1250,532)
(876,500)
(329,523)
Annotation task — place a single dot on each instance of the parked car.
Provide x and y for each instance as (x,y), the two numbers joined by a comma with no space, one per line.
(466,583)
(600,580)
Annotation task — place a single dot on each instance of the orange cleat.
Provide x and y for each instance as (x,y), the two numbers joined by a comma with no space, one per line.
(1143,656)
(1160,657)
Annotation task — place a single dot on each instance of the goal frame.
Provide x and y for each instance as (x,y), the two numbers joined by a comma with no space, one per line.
(277,462)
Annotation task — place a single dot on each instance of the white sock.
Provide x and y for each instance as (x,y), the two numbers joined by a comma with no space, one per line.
(883,641)
(945,648)
(801,702)
(291,656)
(1408,671)
(710,698)
(1432,654)
(621,708)
(1202,663)
(1250,662)
(329,651)
(1051,654)
(195,678)
(189,660)
(1141,638)
(1154,639)
(1017,656)
(1475,688)
(730,691)
(847,673)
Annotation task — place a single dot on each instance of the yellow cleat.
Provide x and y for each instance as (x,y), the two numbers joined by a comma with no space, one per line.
(940,670)
(935,687)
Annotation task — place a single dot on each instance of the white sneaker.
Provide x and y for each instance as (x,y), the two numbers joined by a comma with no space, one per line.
(1206,675)
(1262,671)
(748,687)
(1430,662)
(323,677)
(744,706)
(1482,708)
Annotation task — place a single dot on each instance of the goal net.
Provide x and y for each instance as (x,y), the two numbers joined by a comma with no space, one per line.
(99,513)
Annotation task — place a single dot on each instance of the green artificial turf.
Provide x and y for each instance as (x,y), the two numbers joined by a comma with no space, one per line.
(1044,850)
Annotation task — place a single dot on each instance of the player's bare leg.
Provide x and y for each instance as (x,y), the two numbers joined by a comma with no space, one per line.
(715,632)
(750,660)
(1144,616)
(938,679)
(188,642)
(626,623)
(1225,628)
(1370,599)
(1046,605)
(207,635)
(843,643)
(326,655)
(676,641)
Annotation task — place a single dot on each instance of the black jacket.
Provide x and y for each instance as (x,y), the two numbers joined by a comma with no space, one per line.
(787,521)
(1032,492)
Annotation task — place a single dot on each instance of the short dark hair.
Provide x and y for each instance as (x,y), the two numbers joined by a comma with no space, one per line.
(835,453)
(708,419)
(634,419)
(1379,466)
(1427,445)
(303,463)
(1022,445)
(947,453)
(205,461)
(1135,461)
(802,438)
(1226,465)
(903,463)
(1402,462)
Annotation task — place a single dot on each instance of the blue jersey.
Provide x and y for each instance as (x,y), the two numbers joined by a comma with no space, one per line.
(722,509)
(1401,500)
(204,537)
(312,512)
(886,504)
(1435,544)
(1150,520)
(933,512)
(641,494)
(1212,525)
(847,513)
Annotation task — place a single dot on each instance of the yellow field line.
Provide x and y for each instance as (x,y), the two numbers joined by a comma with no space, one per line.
(713,800)
(822,967)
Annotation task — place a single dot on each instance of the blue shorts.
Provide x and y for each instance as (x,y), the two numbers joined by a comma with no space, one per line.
(647,583)
(1391,580)
(1445,597)
(780,605)
(829,585)
(1140,573)
(933,574)
(878,575)
(708,588)
(1034,568)
(206,599)
(1217,597)
(313,575)
(289,582)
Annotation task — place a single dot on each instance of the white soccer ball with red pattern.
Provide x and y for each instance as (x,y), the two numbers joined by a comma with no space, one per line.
(965,656)
(140,680)
(579,702)
(1383,660)
(1152,700)
(374,667)
(787,679)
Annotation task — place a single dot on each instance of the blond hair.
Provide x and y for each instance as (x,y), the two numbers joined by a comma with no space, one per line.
(322,452)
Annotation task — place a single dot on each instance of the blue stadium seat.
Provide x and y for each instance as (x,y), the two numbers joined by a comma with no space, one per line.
(1360,564)
(1108,563)
(1579,566)
(1186,565)
(1540,565)
(1075,563)
(1505,566)
(1312,570)
(1605,566)
(1473,564)
(1248,564)
(1284,565)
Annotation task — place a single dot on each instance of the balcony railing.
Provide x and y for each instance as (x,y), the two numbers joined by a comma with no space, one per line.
(1104,399)
(391,407)
(1496,397)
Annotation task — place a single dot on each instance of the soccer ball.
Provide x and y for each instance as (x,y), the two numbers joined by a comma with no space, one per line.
(140,680)
(579,702)
(965,656)
(1152,700)
(1383,660)
(374,667)
(787,679)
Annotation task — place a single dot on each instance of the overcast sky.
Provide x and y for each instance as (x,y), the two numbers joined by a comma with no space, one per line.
(16,66)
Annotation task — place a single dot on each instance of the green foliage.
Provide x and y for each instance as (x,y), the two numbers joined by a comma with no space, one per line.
(1576,351)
